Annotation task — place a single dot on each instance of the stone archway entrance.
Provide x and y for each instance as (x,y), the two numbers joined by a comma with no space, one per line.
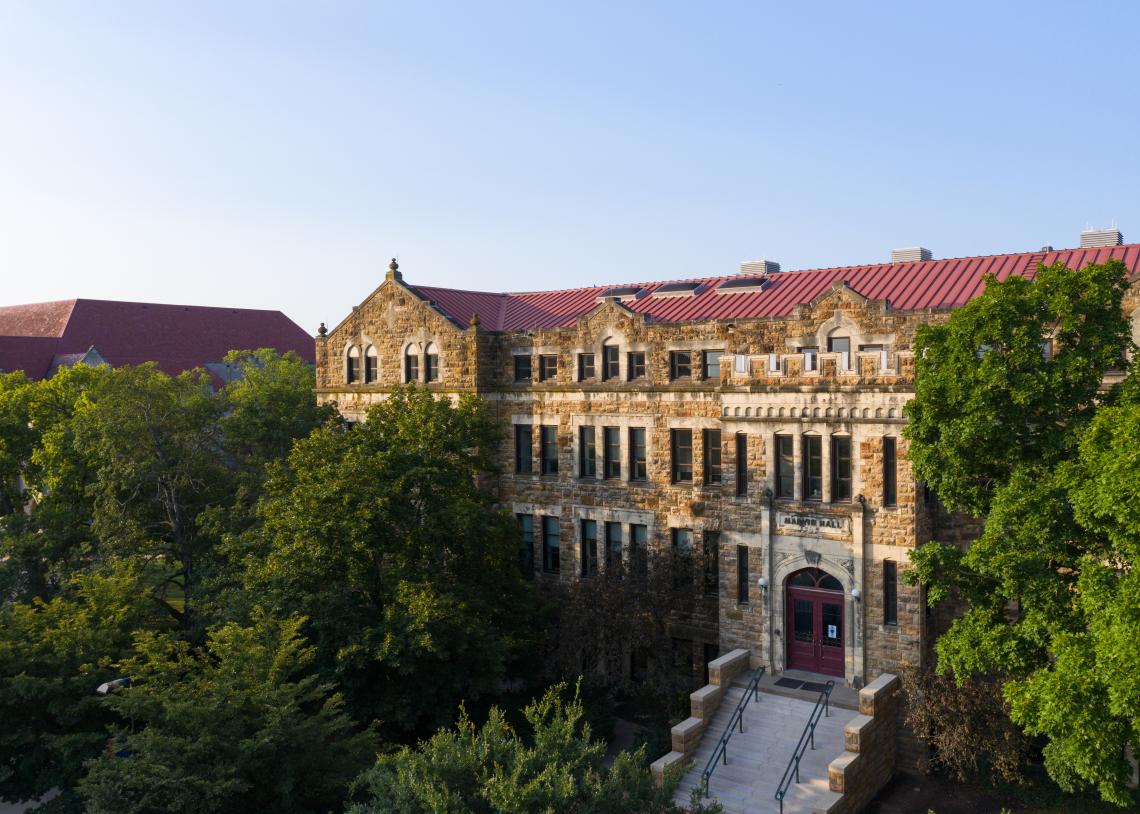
(815,622)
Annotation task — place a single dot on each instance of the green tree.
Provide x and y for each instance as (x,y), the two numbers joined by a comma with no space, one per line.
(1022,439)
(383,536)
(479,770)
(53,654)
(237,726)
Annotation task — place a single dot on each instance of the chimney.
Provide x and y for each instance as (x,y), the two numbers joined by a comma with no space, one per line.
(757,267)
(1096,238)
(912,255)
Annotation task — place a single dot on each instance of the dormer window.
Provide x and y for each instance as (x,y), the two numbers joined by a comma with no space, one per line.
(352,365)
(371,364)
(431,363)
(411,365)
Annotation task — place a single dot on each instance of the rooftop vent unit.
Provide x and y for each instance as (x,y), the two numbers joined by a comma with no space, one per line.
(914,254)
(1046,248)
(743,285)
(676,290)
(1096,238)
(758,267)
(623,293)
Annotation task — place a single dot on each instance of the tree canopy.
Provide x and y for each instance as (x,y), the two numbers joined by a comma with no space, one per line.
(1023,437)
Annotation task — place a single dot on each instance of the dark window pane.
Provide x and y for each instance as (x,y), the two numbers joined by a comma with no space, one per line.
(612,440)
(829,583)
(551,533)
(585,366)
(813,467)
(637,461)
(526,544)
(548,450)
(890,473)
(831,631)
(680,364)
(804,620)
(589,553)
(547,367)
(636,365)
(370,363)
(431,367)
(613,547)
(742,578)
(712,471)
(610,365)
(841,467)
(411,367)
(587,453)
(639,550)
(682,444)
(352,369)
(682,557)
(741,463)
(711,555)
(785,467)
(890,593)
(522,368)
(524,448)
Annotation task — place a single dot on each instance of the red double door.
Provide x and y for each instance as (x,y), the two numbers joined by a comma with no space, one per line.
(815,630)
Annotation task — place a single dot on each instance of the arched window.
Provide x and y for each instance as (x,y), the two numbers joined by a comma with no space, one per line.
(411,364)
(431,363)
(371,363)
(352,365)
(815,578)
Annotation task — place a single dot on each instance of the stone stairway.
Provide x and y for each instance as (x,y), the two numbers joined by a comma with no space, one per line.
(758,756)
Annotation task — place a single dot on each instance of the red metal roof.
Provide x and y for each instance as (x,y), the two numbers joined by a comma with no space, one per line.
(176,337)
(906,286)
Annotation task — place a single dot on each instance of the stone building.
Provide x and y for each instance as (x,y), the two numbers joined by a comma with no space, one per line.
(757,417)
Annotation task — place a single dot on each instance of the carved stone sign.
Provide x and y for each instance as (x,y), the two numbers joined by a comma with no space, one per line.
(812,523)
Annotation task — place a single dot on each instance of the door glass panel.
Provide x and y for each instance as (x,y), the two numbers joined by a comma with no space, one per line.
(832,625)
(803,620)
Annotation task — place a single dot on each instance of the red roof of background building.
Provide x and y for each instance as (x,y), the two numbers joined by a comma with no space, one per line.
(913,286)
(176,337)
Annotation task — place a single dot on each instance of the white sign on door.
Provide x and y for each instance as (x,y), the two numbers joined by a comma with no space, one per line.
(831,632)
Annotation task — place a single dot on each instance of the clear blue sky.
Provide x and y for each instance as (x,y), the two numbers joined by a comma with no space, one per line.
(276,154)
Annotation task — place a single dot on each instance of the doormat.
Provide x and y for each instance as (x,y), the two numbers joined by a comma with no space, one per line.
(790,683)
(812,686)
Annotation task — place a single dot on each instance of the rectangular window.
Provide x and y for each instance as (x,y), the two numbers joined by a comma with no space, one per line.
(611,439)
(785,467)
(587,453)
(890,593)
(635,365)
(585,366)
(712,471)
(611,368)
(682,557)
(870,348)
(589,558)
(710,368)
(526,544)
(547,367)
(890,473)
(548,450)
(370,363)
(681,443)
(639,550)
(811,358)
(840,467)
(838,344)
(742,578)
(524,448)
(522,368)
(431,367)
(352,371)
(613,547)
(680,364)
(411,367)
(711,555)
(683,656)
(551,532)
(813,467)
(741,464)
(637,456)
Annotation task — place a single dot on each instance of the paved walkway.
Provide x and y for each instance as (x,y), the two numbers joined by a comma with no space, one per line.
(758,756)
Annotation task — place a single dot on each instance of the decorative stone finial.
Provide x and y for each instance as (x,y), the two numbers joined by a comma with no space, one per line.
(474,319)
(393,266)
(322,331)
(394,271)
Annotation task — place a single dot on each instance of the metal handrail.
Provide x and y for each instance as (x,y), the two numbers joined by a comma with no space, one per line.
(753,689)
(806,737)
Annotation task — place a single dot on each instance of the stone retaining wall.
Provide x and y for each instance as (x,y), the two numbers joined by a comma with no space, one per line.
(870,742)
